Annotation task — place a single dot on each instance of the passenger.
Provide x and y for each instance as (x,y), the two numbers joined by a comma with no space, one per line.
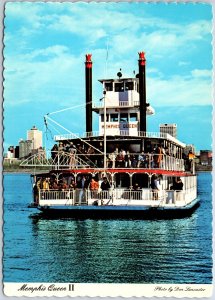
(179,185)
(55,185)
(133,161)
(105,185)
(155,187)
(72,152)
(136,187)
(94,185)
(60,148)
(191,157)
(36,193)
(179,188)
(90,150)
(141,159)
(166,150)
(146,162)
(137,192)
(82,185)
(64,185)
(127,160)
(54,151)
(120,160)
(112,159)
(46,183)
(72,185)
(39,183)
(158,156)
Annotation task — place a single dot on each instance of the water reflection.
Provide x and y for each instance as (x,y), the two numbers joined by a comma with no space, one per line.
(120,250)
(40,249)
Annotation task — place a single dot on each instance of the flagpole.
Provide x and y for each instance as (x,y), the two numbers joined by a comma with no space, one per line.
(105,146)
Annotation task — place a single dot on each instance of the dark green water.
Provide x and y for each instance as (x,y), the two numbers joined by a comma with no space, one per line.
(104,251)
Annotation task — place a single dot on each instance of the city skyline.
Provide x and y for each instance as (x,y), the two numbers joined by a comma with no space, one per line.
(45,47)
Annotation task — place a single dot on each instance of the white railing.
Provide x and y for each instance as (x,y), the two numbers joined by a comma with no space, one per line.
(146,197)
(67,136)
(117,104)
(127,133)
(65,160)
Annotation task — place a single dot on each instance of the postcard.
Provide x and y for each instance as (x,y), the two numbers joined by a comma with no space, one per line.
(107,142)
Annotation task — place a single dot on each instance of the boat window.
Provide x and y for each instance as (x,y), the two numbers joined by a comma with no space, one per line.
(119,87)
(129,86)
(114,118)
(123,117)
(138,87)
(108,86)
(102,118)
(133,117)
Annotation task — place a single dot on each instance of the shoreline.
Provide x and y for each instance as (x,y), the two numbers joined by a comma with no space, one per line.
(26,171)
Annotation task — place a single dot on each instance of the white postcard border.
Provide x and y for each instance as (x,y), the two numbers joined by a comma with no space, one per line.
(107,290)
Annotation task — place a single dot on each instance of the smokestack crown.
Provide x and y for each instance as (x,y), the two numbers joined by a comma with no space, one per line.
(88,61)
(142,59)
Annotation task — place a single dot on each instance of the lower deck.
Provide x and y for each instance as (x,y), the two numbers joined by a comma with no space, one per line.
(116,198)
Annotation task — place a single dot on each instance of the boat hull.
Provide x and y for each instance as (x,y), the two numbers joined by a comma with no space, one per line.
(113,211)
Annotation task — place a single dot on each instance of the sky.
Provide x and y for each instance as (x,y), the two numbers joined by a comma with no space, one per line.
(44,54)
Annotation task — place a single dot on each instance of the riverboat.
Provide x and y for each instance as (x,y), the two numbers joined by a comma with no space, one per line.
(122,170)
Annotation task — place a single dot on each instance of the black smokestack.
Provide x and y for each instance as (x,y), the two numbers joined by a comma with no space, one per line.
(142,91)
(88,80)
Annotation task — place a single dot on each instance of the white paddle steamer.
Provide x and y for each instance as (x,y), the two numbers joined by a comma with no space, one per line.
(120,171)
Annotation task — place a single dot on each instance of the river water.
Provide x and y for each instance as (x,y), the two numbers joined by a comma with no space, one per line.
(37,249)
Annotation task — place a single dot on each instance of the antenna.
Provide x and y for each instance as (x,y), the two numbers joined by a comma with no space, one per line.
(106,60)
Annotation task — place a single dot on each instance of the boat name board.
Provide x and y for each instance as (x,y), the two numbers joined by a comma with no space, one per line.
(126,125)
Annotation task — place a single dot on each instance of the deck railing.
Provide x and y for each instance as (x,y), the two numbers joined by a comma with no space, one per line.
(116,197)
(64,160)
(159,135)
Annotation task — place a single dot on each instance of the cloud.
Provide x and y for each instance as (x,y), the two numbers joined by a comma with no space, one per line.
(201,73)
(179,90)
(30,78)
(52,69)
(24,13)
(183,63)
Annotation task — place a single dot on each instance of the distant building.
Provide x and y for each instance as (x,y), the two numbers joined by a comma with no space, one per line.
(205,157)
(25,148)
(35,136)
(17,152)
(10,152)
(169,128)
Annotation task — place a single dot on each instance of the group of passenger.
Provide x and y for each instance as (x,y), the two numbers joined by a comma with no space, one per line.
(156,186)
(118,158)
(83,182)
(124,159)
(86,182)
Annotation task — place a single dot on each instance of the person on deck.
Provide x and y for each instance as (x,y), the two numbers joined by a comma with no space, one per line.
(82,186)
(155,185)
(159,155)
(179,188)
(94,185)
(179,185)
(105,185)
(46,184)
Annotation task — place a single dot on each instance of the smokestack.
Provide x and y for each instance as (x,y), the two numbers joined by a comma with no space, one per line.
(142,91)
(88,80)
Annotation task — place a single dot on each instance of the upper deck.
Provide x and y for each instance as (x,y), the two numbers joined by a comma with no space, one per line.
(123,134)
